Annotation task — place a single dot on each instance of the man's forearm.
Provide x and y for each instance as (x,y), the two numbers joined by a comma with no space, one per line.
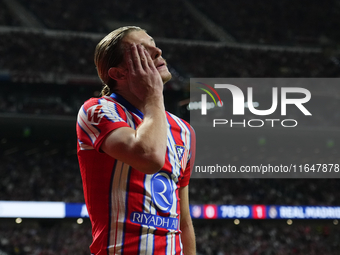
(188,237)
(152,133)
(144,148)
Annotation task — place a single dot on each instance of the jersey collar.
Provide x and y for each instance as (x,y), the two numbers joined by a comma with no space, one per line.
(127,104)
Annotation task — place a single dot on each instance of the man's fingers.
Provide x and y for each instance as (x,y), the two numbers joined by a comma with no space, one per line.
(128,60)
(149,59)
(143,58)
(135,57)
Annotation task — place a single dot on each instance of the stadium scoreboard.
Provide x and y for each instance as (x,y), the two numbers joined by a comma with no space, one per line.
(31,209)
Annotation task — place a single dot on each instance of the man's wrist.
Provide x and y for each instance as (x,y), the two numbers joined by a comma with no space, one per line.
(153,104)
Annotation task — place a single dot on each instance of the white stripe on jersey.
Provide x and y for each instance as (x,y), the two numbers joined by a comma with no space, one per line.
(118,199)
(147,241)
(84,146)
(147,238)
(172,155)
(92,132)
(148,208)
(130,121)
(170,243)
(109,109)
(173,243)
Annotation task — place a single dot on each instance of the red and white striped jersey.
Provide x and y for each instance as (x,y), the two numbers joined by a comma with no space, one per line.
(131,212)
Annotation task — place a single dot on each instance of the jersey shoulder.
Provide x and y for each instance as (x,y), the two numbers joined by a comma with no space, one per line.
(98,101)
(178,119)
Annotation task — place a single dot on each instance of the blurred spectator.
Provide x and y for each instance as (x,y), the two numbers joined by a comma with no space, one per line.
(254,238)
(28,52)
(40,172)
(107,15)
(6,17)
(276,22)
(63,237)
(46,237)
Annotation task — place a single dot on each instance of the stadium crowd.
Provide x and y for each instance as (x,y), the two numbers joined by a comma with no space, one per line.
(87,16)
(285,23)
(44,238)
(44,99)
(48,170)
(247,238)
(45,54)
(258,238)
(216,61)
(276,22)
(65,54)
(34,174)
(6,17)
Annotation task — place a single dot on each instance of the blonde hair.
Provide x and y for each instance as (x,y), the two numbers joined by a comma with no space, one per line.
(109,53)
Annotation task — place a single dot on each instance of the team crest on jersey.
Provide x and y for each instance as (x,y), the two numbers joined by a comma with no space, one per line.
(182,155)
(94,114)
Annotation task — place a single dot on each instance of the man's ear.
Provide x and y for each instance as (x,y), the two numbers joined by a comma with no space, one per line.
(117,73)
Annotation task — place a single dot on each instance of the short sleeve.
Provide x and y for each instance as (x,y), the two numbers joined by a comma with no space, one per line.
(96,119)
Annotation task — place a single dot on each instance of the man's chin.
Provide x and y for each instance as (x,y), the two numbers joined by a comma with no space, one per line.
(165,75)
(166,78)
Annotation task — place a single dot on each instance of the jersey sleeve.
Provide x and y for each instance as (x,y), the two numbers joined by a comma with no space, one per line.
(191,159)
(96,119)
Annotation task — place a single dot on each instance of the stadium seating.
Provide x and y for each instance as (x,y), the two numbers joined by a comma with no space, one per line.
(52,237)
